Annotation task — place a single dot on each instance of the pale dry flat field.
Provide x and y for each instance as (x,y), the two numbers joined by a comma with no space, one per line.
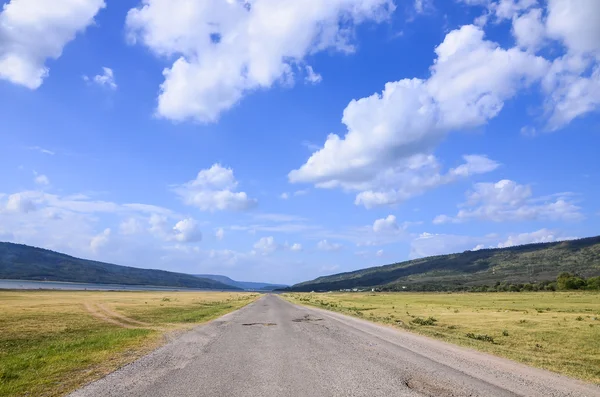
(51,342)
(558,331)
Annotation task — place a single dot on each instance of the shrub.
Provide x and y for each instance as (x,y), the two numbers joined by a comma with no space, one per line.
(505,333)
(481,337)
(422,321)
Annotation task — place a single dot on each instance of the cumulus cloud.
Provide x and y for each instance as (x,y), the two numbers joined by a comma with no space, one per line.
(311,76)
(325,245)
(220,233)
(106,79)
(575,23)
(266,245)
(31,32)
(539,236)
(224,50)
(386,152)
(100,240)
(130,226)
(296,247)
(529,30)
(506,200)
(214,190)
(186,231)
(572,83)
(386,225)
(379,253)
(41,180)
(19,203)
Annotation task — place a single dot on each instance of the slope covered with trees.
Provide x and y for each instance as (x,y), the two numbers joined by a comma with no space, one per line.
(532,264)
(22,262)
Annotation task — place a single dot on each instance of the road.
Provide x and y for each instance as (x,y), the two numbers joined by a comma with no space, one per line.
(274,348)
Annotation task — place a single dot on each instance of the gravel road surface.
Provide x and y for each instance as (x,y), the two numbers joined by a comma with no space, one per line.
(274,348)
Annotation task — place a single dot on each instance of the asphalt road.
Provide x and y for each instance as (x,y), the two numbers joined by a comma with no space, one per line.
(274,348)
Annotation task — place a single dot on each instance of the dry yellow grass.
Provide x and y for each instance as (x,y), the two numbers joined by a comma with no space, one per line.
(557,331)
(51,342)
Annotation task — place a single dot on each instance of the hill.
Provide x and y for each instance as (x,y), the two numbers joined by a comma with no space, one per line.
(521,264)
(22,262)
(248,285)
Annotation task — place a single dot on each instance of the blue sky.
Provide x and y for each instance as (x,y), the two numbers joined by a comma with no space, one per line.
(281,140)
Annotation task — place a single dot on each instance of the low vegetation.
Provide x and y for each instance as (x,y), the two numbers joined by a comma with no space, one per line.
(51,342)
(558,331)
(513,268)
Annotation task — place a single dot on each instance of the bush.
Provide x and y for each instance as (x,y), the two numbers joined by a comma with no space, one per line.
(481,337)
(566,281)
(422,321)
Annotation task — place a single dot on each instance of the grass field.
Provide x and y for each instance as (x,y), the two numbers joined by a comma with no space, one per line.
(51,342)
(557,331)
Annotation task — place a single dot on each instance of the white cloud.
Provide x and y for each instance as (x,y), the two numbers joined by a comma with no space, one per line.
(214,190)
(540,236)
(507,9)
(311,76)
(529,30)
(224,50)
(386,225)
(296,247)
(186,231)
(428,244)
(478,247)
(130,226)
(325,245)
(286,195)
(42,150)
(379,253)
(508,201)
(220,233)
(422,175)
(106,79)
(575,23)
(571,93)
(266,245)
(31,32)
(385,155)
(100,240)
(41,180)
(572,83)
(19,203)
(158,225)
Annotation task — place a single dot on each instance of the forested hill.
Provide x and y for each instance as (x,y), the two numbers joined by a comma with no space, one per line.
(521,264)
(22,262)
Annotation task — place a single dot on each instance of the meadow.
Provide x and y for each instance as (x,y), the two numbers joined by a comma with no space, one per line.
(52,342)
(557,331)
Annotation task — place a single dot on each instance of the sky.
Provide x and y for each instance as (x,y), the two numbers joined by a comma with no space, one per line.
(282,140)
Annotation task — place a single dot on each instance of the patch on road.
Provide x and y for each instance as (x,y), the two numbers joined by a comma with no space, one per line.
(428,389)
(263,324)
(306,319)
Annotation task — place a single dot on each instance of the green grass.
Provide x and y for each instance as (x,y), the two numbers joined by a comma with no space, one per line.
(557,331)
(50,343)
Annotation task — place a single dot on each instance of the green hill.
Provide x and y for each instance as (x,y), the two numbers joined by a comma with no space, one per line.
(22,262)
(531,263)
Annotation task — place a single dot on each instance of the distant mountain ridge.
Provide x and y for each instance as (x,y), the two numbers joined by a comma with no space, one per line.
(23,262)
(520,264)
(242,284)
